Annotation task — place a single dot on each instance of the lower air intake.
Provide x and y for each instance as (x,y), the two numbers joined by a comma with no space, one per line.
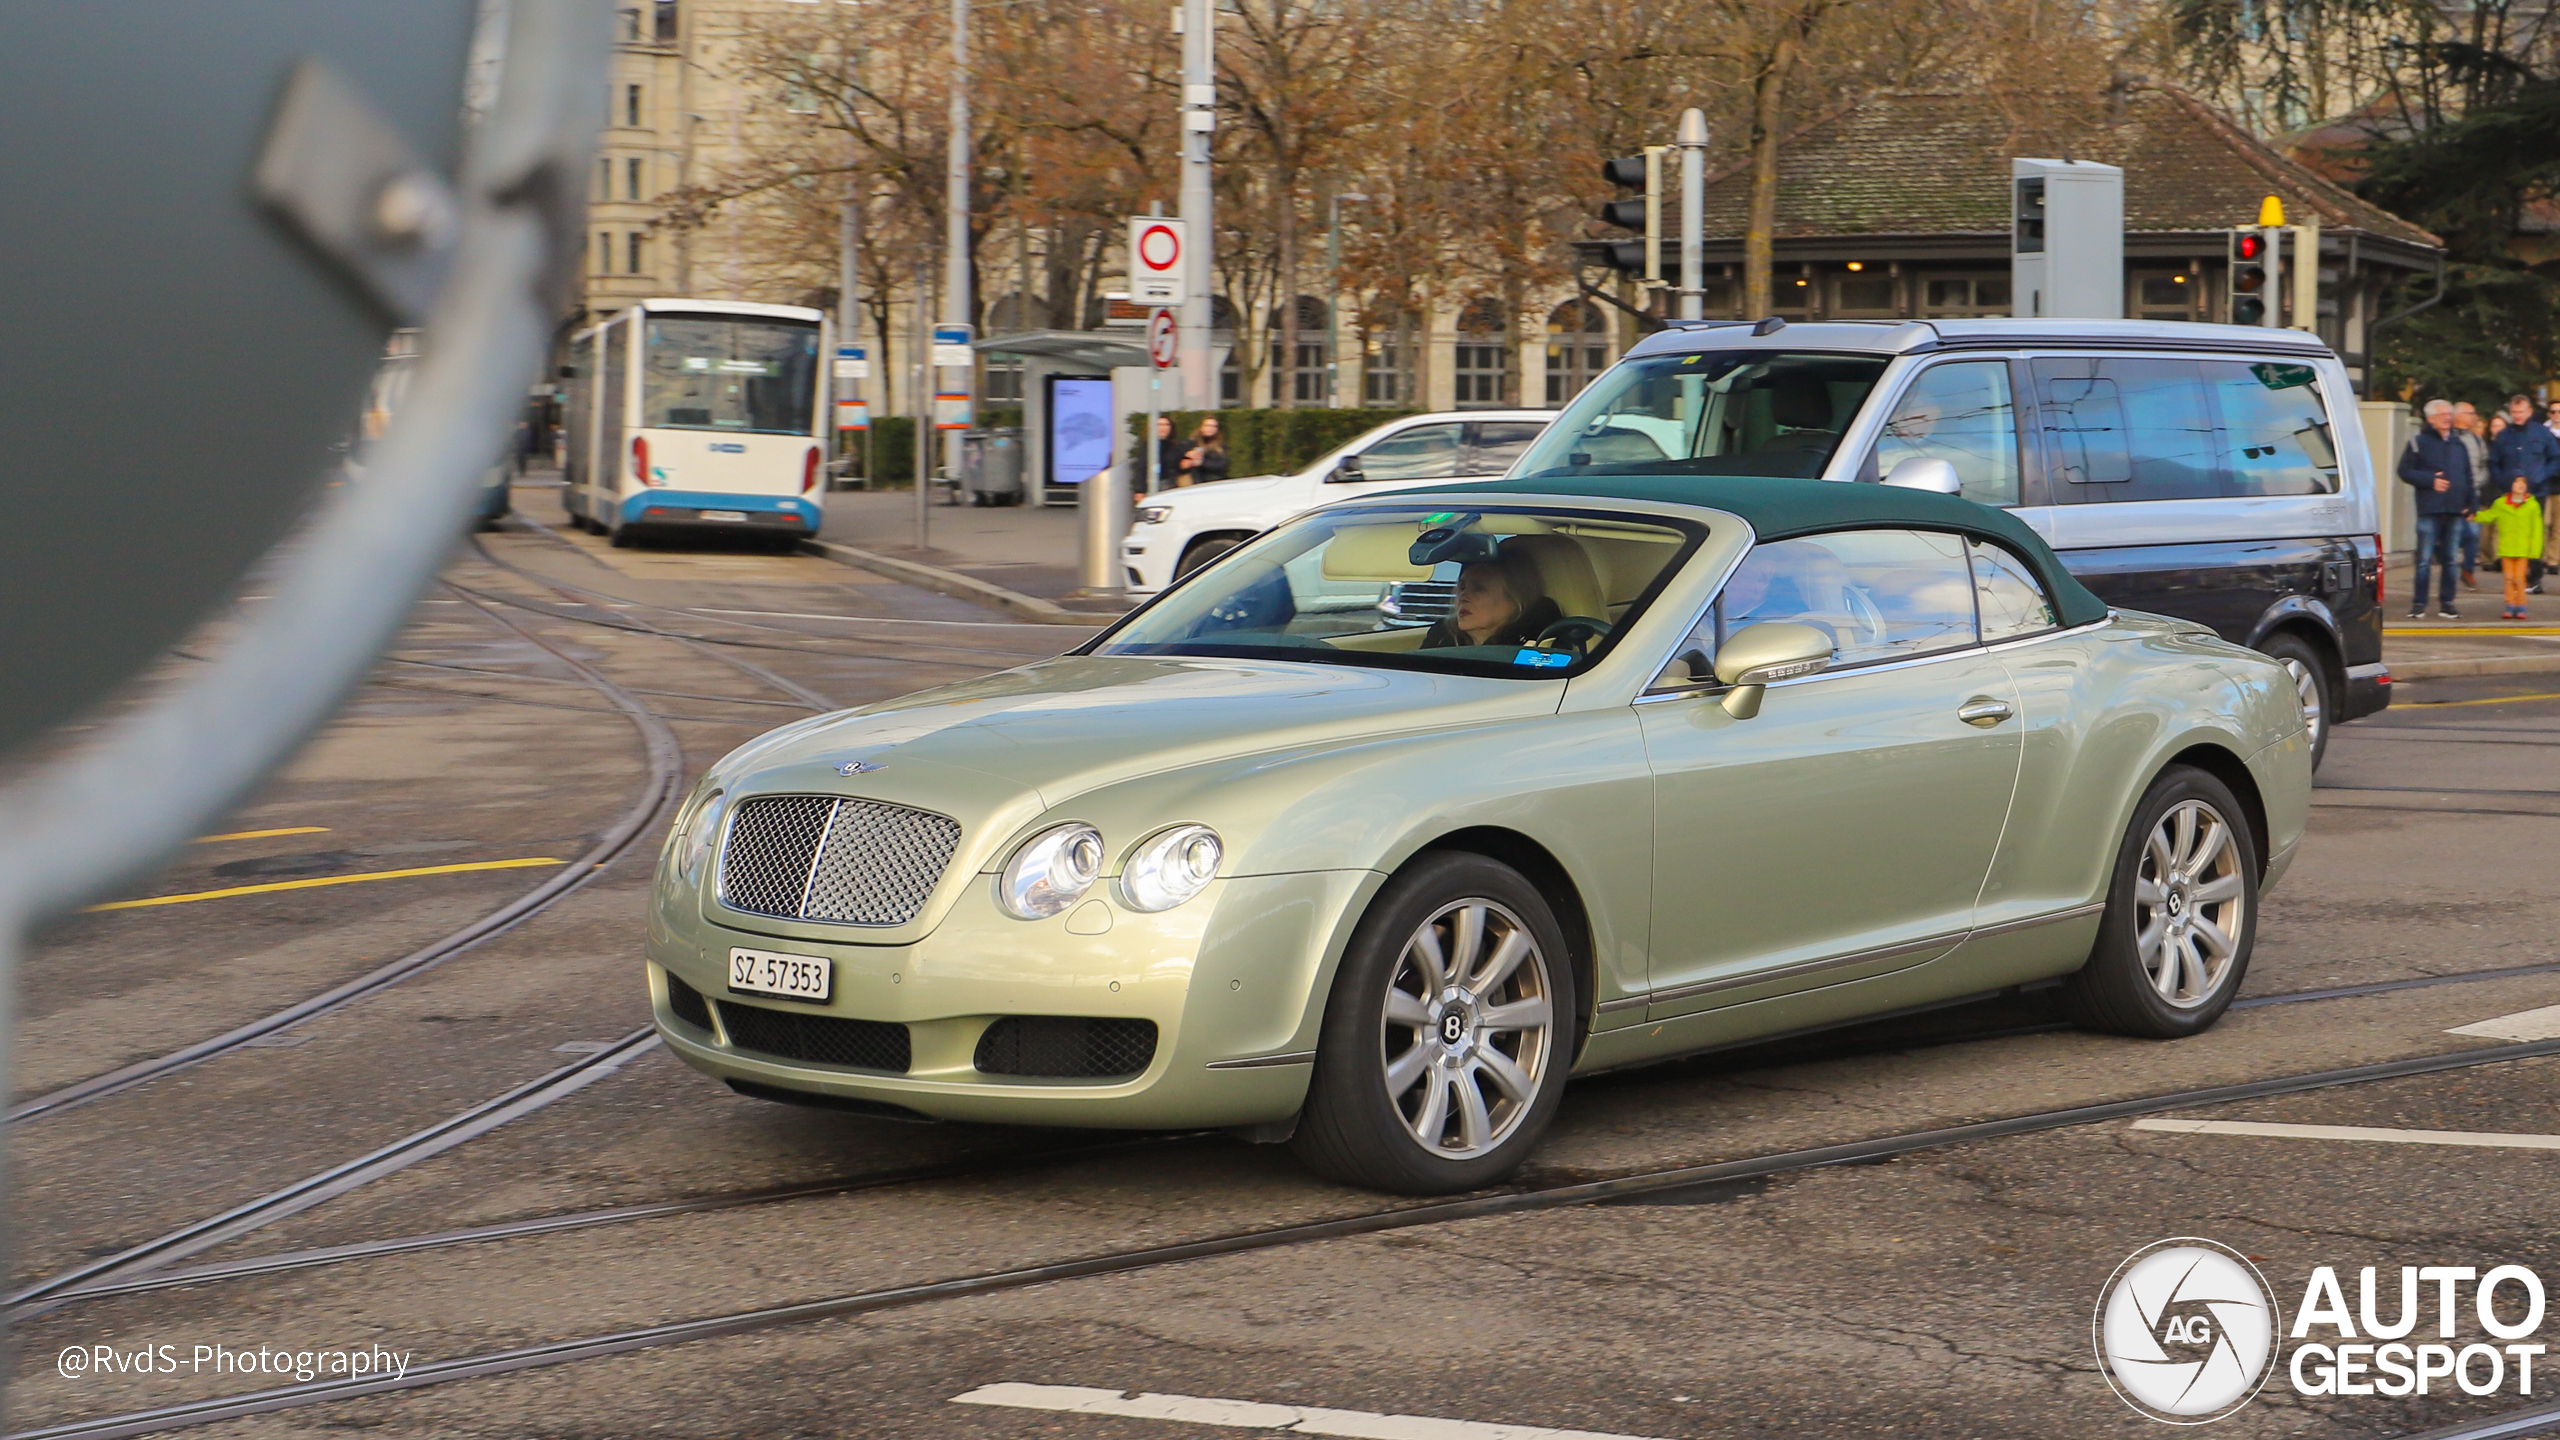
(687,1004)
(1060,1047)
(817,1039)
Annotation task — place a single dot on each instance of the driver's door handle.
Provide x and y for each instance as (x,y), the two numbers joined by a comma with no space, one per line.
(1984,711)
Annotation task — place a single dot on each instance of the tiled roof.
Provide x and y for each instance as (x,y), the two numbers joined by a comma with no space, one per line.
(1922,163)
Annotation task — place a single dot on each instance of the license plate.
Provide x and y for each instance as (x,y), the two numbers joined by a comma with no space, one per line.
(762,972)
(737,515)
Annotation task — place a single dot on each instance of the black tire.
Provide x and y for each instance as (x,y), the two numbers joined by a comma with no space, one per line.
(2315,681)
(621,536)
(1356,1128)
(2118,990)
(1200,552)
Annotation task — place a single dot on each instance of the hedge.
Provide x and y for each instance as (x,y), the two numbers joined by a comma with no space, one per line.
(1275,442)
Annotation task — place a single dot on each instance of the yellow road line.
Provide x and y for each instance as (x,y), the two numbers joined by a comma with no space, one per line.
(329,880)
(2492,700)
(263,834)
(2484,631)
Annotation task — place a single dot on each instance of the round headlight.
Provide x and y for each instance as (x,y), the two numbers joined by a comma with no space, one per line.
(1050,872)
(1170,868)
(700,834)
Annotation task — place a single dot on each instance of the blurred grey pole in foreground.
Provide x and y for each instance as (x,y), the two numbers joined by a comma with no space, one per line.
(216,214)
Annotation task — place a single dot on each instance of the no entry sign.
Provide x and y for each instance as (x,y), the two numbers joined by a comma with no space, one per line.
(1155,260)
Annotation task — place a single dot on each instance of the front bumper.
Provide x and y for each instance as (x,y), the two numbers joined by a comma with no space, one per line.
(1147,558)
(2368,691)
(1234,982)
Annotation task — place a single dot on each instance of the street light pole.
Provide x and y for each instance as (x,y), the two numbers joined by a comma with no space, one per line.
(1199,127)
(955,242)
(1692,145)
(848,297)
(1333,295)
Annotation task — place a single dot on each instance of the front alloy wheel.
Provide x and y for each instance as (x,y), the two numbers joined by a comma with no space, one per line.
(1468,1031)
(1447,1034)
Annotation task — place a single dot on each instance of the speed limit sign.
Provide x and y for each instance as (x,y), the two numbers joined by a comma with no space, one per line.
(1164,340)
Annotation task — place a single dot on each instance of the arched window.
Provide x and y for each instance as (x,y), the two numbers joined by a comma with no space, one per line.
(1483,361)
(1390,337)
(1577,348)
(1300,376)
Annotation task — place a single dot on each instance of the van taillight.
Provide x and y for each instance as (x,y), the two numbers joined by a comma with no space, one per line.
(2379,566)
(640,459)
(809,471)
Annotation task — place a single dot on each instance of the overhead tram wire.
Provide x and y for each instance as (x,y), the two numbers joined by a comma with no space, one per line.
(658,793)
(1657,1182)
(99,1287)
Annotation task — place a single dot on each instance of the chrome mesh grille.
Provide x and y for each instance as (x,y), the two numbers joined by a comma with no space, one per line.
(848,862)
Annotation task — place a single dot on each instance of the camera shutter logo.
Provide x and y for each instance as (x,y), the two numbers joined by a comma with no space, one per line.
(2186,1331)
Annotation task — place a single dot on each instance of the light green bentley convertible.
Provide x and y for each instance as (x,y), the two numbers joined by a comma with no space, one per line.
(1689,761)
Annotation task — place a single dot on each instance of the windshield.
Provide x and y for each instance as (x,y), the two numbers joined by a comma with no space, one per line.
(707,373)
(1490,590)
(1730,412)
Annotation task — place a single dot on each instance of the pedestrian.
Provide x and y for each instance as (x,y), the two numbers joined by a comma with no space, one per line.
(2523,448)
(1206,460)
(2437,468)
(1168,459)
(2511,534)
(2466,428)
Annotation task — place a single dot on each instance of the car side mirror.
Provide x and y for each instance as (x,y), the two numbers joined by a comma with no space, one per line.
(1349,469)
(1770,651)
(1926,472)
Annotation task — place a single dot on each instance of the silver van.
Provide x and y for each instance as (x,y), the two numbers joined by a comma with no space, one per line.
(2211,472)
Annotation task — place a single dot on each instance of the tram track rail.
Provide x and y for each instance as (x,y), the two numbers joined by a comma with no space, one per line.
(658,793)
(1660,1182)
(73,1287)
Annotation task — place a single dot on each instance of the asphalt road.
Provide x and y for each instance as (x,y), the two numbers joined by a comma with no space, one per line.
(1946,1292)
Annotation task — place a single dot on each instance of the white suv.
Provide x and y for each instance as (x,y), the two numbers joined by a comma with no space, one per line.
(1178,531)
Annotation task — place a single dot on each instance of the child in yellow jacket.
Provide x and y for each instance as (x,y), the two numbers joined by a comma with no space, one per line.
(2511,531)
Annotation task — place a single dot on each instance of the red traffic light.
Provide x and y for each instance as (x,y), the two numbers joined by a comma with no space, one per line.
(2250,247)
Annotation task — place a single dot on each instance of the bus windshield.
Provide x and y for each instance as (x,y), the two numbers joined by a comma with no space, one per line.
(716,373)
(1732,412)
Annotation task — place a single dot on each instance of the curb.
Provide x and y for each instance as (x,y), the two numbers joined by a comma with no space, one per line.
(2486,665)
(966,587)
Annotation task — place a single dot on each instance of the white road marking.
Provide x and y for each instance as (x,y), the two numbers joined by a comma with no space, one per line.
(2485,1138)
(1254,1415)
(2542,1024)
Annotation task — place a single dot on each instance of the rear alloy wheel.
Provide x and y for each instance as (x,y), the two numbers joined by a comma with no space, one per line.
(1448,1034)
(2181,915)
(2310,687)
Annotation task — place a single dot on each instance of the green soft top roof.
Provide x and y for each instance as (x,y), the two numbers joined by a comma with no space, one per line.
(1778,509)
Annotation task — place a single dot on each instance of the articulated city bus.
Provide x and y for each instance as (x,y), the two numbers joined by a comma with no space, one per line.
(698,415)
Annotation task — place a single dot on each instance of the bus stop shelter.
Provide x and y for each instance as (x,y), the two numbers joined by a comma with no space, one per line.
(1071,356)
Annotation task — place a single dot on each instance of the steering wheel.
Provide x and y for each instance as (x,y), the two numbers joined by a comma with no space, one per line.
(1575,632)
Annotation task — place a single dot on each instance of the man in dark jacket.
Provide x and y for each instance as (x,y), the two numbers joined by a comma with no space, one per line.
(2531,451)
(2436,466)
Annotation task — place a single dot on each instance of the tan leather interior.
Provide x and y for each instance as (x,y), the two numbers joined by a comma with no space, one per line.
(1565,573)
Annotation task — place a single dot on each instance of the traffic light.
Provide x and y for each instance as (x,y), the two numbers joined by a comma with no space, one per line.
(1640,211)
(2249,293)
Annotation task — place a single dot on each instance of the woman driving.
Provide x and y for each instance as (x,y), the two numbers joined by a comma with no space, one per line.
(1500,602)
